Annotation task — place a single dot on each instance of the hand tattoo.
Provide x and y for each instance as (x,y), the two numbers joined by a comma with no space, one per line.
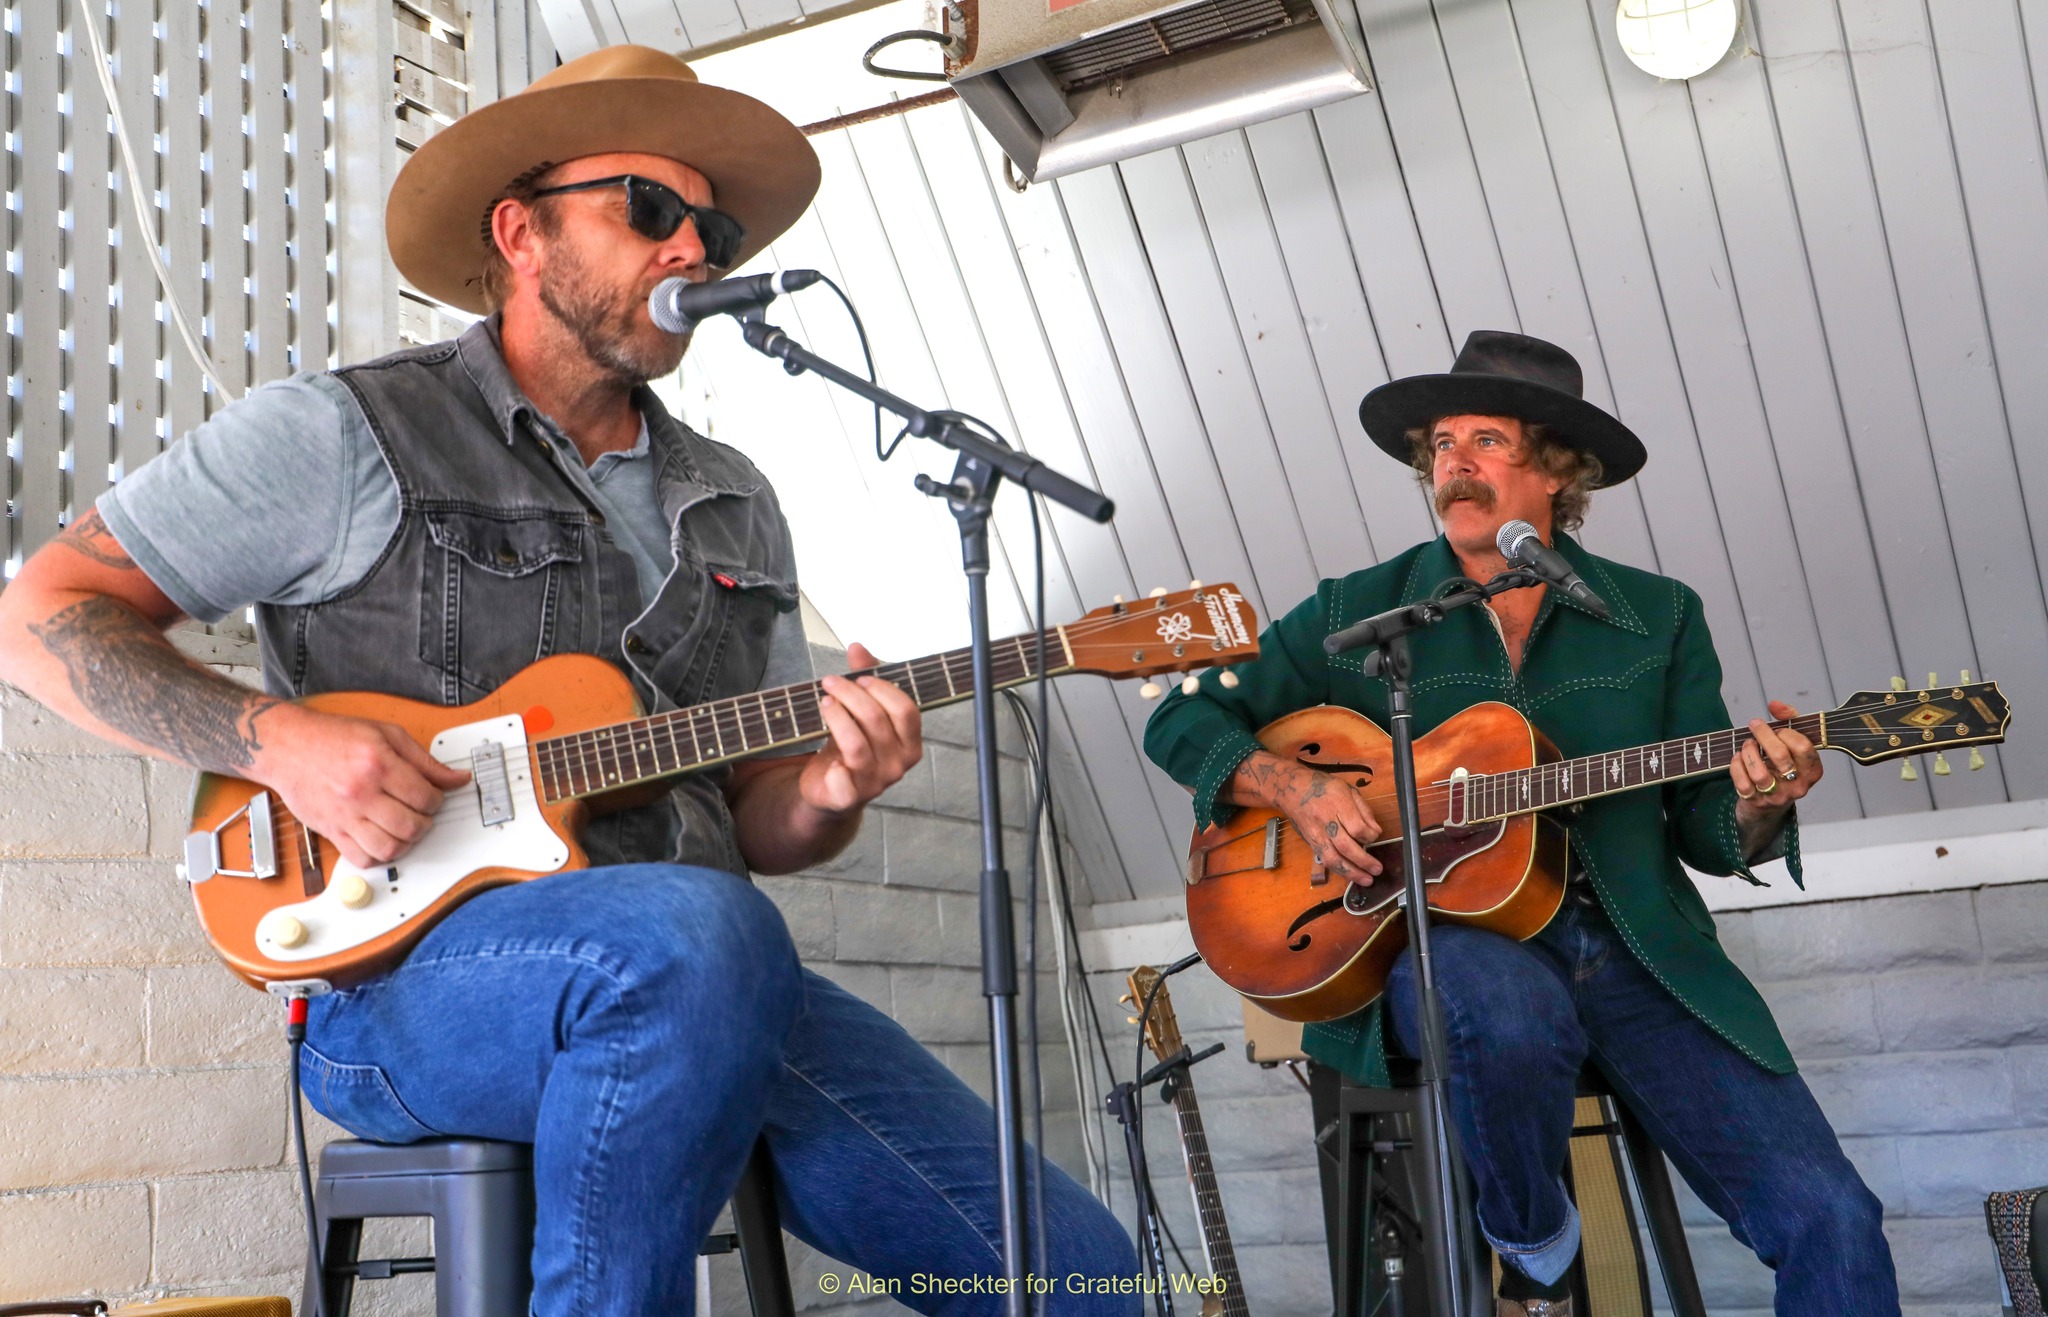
(129,677)
(89,535)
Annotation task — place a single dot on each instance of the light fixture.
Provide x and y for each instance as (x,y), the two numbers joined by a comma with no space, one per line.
(1677,38)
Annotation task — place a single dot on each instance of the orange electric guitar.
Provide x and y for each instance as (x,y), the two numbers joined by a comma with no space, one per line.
(562,740)
(1305,946)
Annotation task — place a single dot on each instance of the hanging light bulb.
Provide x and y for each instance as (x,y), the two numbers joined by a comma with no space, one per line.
(1677,38)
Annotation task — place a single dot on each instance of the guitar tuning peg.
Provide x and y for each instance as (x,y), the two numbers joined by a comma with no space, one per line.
(1908,773)
(1976,759)
(1964,680)
(1898,683)
(1227,680)
(1941,768)
(1150,691)
(1158,592)
(1933,680)
(1191,684)
(1126,1000)
(1116,599)
(1130,1019)
(1194,585)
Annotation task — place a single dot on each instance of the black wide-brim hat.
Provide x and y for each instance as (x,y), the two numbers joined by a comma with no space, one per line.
(1503,374)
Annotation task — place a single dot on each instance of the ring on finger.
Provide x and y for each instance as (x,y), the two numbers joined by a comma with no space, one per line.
(1767,786)
(1790,775)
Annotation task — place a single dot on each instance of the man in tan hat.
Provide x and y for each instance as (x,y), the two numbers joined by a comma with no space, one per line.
(429,524)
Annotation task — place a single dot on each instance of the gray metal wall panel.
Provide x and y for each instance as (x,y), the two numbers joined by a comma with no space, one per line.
(269,198)
(227,250)
(138,335)
(183,187)
(91,261)
(40,420)
(312,232)
(1934,266)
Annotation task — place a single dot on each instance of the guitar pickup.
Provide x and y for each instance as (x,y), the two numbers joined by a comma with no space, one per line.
(493,786)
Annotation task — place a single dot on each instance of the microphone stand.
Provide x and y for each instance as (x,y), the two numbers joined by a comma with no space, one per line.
(983,463)
(1454,1280)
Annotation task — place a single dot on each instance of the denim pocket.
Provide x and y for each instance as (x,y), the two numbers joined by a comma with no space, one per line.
(360,1099)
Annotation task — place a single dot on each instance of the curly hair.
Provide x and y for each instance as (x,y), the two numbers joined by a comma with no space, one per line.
(496,279)
(1580,470)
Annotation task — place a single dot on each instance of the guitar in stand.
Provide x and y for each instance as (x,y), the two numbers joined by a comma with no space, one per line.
(558,742)
(1225,1298)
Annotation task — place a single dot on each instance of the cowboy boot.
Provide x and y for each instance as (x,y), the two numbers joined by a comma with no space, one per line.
(1534,1308)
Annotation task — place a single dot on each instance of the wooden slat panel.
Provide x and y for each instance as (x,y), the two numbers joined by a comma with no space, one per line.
(139,338)
(658,23)
(227,250)
(1908,133)
(1443,186)
(39,484)
(1820,131)
(92,274)
(1328,289)
(1282,384)
(13,545)
(270,174)
(183,189)
(1788,350)
(312,235)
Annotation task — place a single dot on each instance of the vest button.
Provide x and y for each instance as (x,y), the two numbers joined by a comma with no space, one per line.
(634,645)
(507,556)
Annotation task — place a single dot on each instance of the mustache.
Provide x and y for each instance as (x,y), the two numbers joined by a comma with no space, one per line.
(1458,487)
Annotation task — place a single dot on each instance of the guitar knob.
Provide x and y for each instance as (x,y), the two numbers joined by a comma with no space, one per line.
(354,891)
(1191,685)
(1908,773)
(1976,759)
(283,929)
(1150,691)
(1227,680)
(1940,764)
(1898,683)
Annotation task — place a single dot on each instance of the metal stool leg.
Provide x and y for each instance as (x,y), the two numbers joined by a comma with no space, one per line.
(759,1227)
(1667,1230)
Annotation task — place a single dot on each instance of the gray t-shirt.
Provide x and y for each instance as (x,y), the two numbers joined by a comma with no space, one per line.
(284,498)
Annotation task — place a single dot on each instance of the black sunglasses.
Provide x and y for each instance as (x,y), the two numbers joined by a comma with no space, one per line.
(656,212)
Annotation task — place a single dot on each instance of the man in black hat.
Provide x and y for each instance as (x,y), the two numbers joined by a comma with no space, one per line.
(1629,975)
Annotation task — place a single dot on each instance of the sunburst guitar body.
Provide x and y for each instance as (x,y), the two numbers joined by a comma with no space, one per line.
(1306,945)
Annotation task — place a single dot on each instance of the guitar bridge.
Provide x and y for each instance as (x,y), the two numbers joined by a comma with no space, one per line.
(202,849)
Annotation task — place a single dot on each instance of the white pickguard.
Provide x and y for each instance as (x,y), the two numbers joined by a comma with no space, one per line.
(456,846)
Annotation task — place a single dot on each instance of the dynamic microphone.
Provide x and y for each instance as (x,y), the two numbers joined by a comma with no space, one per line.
(678,305)
(1520,544)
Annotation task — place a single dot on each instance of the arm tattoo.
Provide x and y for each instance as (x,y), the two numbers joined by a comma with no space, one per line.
(131,679)
(90,536)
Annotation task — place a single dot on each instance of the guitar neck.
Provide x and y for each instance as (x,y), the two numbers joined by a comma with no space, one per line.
(1546,786)
(661,745)
(1194,1142)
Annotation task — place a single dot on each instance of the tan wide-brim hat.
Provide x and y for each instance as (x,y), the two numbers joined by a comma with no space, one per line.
(622,98)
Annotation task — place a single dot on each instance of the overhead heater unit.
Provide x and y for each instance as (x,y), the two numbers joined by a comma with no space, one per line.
(1064,85)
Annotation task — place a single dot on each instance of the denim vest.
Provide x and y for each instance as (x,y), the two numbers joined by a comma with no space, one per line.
(500,560)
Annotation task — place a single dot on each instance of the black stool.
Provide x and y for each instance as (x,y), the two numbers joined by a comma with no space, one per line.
(479,1193)
(1372,1138)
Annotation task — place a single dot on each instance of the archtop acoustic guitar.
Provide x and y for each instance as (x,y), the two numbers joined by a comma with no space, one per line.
(563,739)
(1273,924)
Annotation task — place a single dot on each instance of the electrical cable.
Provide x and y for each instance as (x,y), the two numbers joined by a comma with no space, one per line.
(142,218)
(868,356)
(295,1035)
(1032,859)
(942,39)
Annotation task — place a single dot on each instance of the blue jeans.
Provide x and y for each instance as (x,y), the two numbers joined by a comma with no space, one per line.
(1522,1018)
(641,1026)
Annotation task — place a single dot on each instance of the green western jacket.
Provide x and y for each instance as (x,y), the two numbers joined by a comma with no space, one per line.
(1648,673)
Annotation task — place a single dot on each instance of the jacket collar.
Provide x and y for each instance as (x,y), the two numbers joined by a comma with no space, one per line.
(1436,563)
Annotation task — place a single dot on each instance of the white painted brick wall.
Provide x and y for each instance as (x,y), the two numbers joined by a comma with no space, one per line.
(142,1086)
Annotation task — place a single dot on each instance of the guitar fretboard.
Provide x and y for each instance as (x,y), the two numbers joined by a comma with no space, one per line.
(1524,790)
(660,745)
(1194,1142)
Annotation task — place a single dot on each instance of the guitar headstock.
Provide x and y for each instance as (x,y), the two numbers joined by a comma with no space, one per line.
(1162,1030)
(1199,627)
(1872,726)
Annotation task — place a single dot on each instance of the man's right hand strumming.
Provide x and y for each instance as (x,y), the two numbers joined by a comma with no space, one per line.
(81,630)
(1328,812)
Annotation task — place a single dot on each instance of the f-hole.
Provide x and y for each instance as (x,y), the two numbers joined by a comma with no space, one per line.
(1302,757)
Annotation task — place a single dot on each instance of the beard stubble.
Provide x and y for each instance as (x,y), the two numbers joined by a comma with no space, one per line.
(605,323)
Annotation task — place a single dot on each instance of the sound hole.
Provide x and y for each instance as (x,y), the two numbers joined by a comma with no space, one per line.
(1306,917)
